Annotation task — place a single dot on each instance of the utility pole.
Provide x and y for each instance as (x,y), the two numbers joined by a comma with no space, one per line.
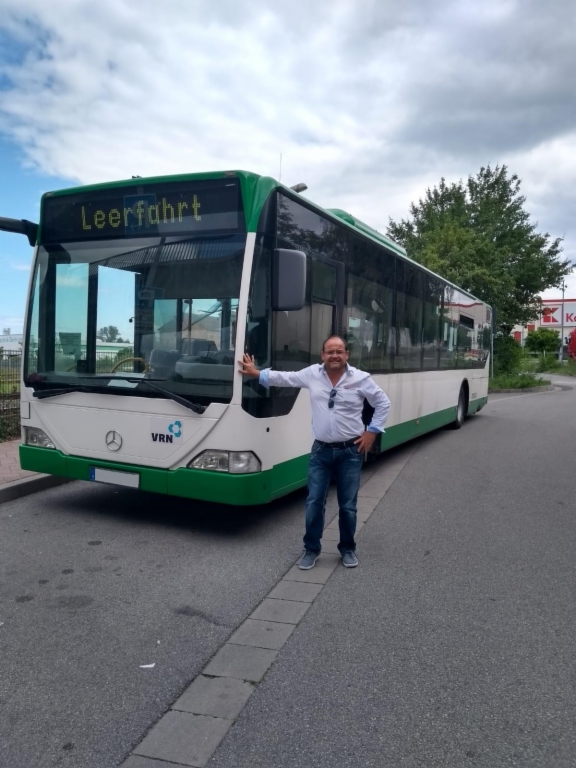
(561,357)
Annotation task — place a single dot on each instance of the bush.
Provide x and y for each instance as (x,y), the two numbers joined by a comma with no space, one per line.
(507,355)
(517,381)
(548,363)
(544,340)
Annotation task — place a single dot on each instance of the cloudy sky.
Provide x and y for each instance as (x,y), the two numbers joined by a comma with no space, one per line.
(368,101)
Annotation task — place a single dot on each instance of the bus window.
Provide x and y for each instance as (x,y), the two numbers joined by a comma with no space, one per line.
(409,289)
(71,321)
(431,334)
(449,328)
(368,324)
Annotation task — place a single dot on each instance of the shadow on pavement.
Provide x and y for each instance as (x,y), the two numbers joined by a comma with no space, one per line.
(132,506)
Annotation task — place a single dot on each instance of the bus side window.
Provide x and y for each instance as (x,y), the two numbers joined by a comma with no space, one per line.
(431,335)
(369,324)
(409,290)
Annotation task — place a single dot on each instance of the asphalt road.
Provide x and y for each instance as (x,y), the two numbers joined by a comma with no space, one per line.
(453,644)
(94,583)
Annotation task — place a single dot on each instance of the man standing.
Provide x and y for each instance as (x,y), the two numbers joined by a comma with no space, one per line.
(337,393)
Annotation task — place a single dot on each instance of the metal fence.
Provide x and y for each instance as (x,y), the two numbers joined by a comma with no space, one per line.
(10,363)
(10,395)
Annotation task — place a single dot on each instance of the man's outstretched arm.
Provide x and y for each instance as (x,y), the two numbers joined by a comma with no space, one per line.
(269,378)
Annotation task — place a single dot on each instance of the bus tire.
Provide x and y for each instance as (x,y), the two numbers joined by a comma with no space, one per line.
(461,408)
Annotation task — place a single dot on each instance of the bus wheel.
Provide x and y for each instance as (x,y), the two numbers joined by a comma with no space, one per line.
(461,409)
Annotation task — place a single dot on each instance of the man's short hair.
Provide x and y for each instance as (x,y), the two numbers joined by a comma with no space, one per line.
(335,336)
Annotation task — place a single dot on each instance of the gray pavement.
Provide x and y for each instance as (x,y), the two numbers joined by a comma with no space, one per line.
(95,583)
(451,645)
(112,601)
(453,642)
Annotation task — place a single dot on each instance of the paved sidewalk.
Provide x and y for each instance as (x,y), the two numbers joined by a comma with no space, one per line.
(10,463)
(16,482)
(191,730)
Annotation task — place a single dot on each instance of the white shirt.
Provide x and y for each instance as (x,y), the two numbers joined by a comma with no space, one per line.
(344,420)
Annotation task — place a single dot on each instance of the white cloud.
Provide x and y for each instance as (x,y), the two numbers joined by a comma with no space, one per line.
(569,291)
(71,281)
(13,322)
(368,102)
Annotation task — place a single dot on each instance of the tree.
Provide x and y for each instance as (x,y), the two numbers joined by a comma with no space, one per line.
(478,235)
(108,333)
(544,340)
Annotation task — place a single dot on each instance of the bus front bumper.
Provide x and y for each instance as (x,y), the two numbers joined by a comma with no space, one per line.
(220,487)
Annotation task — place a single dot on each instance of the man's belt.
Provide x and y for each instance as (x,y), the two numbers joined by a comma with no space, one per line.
(344,444)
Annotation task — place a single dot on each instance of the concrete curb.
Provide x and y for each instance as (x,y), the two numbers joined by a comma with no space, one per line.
(27,485)
(526,391)
(192,729)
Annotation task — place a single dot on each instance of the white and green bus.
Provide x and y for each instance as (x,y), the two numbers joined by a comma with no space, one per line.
(195,269)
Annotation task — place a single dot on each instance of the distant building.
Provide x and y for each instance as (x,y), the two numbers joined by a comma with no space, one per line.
(11,342)
(553,312)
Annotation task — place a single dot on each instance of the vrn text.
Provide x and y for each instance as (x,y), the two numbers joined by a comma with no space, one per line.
(158,437)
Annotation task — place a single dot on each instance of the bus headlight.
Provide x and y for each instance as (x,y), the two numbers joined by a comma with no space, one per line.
(34,436)
(235,462)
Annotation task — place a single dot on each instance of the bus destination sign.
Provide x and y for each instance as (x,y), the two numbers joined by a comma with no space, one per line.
(151,210)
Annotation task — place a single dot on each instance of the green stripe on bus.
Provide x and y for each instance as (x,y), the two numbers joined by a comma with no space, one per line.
(238,490)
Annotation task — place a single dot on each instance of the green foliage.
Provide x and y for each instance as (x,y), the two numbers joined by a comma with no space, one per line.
(568,368)
(123,353)
(548,363)
(522,380)
(507,355)
(108,333)
(543,341)
(478,235)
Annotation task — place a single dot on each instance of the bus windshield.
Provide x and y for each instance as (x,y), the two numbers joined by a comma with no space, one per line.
(105,313)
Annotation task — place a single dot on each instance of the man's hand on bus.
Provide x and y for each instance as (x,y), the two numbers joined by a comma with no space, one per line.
(248,367)
(365,442)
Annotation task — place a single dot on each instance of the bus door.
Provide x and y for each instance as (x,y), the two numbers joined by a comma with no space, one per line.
(327,302)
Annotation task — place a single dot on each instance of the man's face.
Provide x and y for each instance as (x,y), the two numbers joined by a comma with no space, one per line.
(334,355)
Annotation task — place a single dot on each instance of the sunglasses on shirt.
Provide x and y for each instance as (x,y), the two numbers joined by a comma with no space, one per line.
(331,398)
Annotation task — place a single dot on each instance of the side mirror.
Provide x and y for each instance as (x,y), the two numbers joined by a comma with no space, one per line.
(20,227)
(288,279)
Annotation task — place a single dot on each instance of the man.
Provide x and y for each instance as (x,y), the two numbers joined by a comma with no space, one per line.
(337,393)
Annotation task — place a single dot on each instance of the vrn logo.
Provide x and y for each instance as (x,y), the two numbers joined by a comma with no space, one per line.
(173,430)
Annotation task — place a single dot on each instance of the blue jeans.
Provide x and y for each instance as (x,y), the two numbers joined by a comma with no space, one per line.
(346,464)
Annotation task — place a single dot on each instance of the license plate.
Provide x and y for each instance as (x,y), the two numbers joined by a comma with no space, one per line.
(129,479)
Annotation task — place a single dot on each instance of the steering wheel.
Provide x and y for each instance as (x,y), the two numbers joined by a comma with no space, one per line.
(129,360)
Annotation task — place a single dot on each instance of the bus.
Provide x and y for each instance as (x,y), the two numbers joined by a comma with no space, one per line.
(193,270)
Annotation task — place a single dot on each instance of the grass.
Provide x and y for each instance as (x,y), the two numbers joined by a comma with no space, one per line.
(521,380)
(549,364)
(9,386)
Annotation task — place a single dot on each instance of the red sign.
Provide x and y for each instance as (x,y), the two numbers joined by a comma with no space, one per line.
(548,315)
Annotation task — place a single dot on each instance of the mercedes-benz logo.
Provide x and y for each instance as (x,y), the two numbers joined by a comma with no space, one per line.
(113,440)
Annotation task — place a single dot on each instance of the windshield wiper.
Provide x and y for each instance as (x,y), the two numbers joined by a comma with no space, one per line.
(196,407)
(41,394)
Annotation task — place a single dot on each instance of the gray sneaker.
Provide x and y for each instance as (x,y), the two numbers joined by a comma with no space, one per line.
(349,559)
(308,560)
